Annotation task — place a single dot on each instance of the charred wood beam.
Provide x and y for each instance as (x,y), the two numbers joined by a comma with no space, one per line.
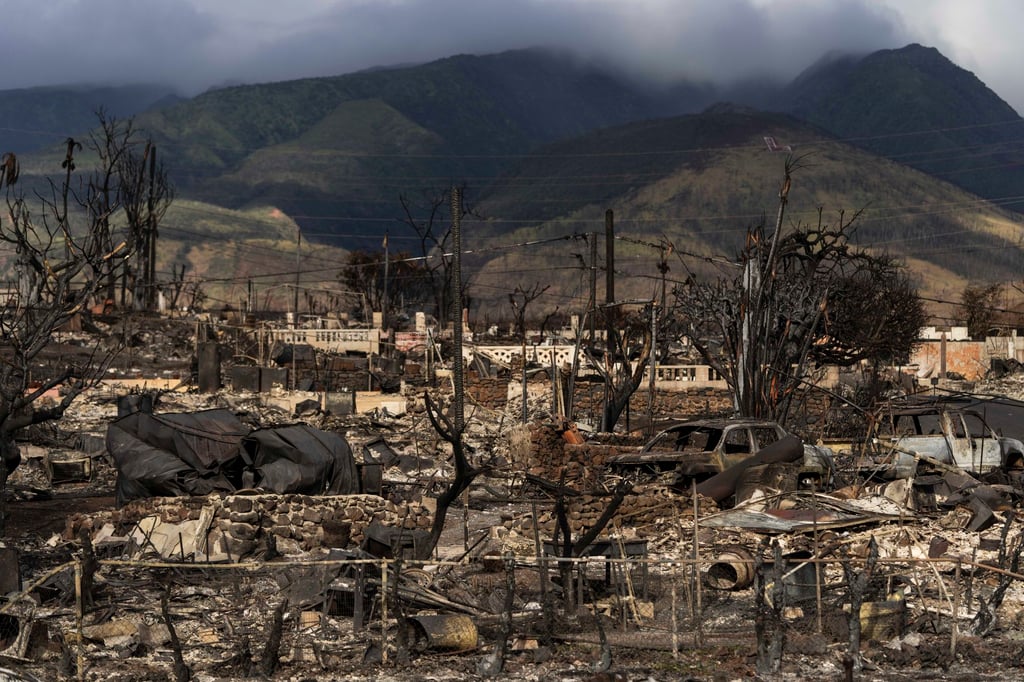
(723,485)
(1008,559)
(768,608)
(464,473)
(182,673)
(271,652)
(857,582)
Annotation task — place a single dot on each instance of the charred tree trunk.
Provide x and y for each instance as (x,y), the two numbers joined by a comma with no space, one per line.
(857,581)
(464,475)
(1008,559)
(271,652)
(768,623)
(182,673)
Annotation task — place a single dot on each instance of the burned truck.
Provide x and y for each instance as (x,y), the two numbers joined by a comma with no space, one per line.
(935,437)
(697,451)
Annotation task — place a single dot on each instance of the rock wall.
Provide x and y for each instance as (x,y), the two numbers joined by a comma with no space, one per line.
(583,464)
(490,392)
(696,403)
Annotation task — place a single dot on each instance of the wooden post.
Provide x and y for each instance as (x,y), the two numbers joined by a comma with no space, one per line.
(696,567)
(609,311)
(675,619)
(954,629)
(384,612)
(458,406)
(79,616)
(358,607)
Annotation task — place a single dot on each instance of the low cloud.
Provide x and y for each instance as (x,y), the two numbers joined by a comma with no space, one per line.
(197,44)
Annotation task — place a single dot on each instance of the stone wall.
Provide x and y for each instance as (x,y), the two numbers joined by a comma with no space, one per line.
(234,527)
(490,392)
(698,403)
(694,403)
(583,464)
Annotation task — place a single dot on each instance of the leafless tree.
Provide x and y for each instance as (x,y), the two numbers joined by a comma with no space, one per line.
(448,429)
(978,306)
(66,245)
(623,362)
(519,300)
(126,185)
(409,281)
(431,219)
(792,302)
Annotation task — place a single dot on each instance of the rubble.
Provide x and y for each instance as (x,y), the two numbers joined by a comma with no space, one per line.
(911,576)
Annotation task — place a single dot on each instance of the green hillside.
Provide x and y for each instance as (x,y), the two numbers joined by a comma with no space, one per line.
(351,145)
(34,118)
(544,145)
(701,192)
(914,106)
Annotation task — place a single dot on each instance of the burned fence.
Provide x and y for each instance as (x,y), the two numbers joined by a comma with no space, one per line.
(888,595)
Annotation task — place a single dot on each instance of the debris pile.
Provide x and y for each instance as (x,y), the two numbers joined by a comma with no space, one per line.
(219,528)
(563,559)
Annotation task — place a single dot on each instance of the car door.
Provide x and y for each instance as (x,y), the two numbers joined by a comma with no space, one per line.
(984,450)
(737,445)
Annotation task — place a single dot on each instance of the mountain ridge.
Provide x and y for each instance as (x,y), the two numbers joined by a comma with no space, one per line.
(542,143)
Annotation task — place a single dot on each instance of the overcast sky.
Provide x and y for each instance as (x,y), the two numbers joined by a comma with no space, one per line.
(194,44)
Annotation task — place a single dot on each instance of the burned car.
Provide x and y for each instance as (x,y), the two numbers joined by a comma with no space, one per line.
(953,437)
(698,450)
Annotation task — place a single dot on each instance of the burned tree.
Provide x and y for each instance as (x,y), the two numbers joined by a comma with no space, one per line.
(404,282)
(452,428)
(978,306)
(435,246)
(623,360)
(520,299)
(62,250)
(794,301)
(129,186)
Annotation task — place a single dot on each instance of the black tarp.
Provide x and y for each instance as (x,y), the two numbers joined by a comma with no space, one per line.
(213,451)
(176,454)
(300,459)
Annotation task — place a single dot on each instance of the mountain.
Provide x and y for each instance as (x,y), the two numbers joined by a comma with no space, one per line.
(342,150)
(700,191)
(916,107)
(34,118)
(544,144)
(233,254)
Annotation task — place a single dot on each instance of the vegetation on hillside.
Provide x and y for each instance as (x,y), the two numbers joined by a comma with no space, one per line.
(916,107)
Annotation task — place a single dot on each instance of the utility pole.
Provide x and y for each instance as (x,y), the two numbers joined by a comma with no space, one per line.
(298,269)
(593,287)
(457,374)
(609,312)
(609,257)
(151,260)
(384,303)
(653,367)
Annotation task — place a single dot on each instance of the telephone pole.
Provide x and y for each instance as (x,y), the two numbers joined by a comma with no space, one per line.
(457,374)
(609,311)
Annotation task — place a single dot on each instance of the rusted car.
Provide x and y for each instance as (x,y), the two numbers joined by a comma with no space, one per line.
(698,450)
(952,437)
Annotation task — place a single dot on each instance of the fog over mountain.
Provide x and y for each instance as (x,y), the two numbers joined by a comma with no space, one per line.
(197,44)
